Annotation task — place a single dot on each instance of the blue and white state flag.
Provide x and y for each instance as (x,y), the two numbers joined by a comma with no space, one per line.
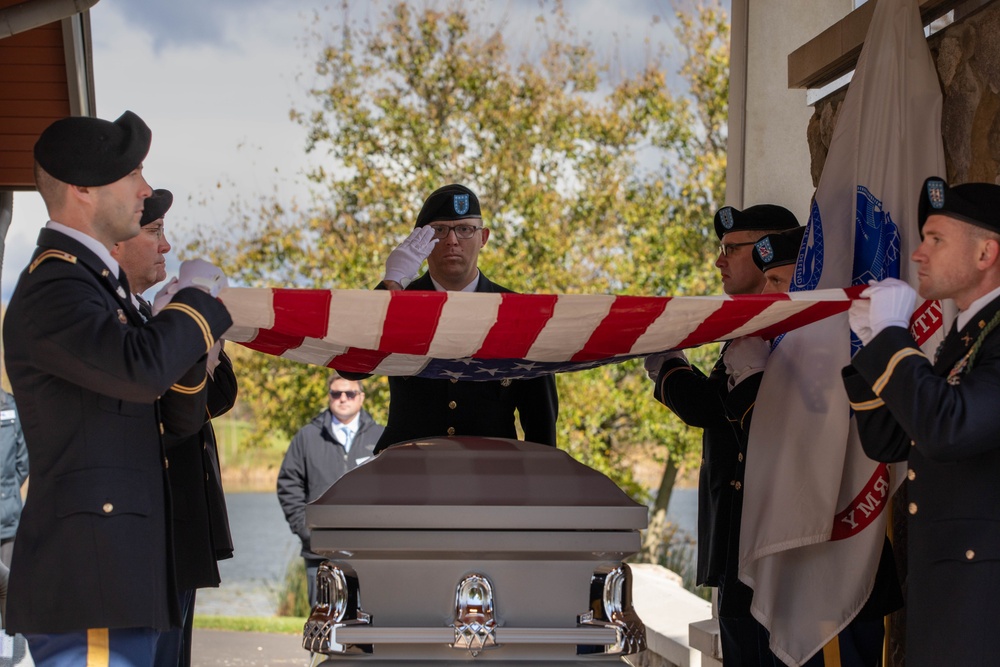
(814,513)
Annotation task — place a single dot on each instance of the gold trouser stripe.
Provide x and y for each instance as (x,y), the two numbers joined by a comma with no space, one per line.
(891,366)
(867,405)
(98,647)
(197,317)
(181,389)
(831,653)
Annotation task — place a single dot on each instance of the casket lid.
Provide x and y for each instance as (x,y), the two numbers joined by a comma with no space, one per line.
(474,483)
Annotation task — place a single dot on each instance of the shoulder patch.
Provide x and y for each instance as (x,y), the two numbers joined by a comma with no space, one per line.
(52,254)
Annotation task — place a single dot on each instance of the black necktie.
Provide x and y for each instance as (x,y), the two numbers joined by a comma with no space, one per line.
(144,308)
(947,340)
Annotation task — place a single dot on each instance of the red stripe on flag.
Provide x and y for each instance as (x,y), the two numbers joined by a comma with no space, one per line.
(410,321)
(731,316)
(818,311)
(865,507)
(520,318)
(357,360)
(302,312)
(269,341)
(628,319)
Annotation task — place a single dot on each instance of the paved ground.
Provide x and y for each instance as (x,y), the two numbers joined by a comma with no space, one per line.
(222,648)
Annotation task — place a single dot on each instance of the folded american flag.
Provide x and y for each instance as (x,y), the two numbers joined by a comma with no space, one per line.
(478,336)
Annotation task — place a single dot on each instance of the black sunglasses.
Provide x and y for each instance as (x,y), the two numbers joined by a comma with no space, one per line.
(351,395)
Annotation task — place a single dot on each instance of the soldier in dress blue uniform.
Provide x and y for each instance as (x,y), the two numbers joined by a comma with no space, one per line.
(198,503)
(92,580)
(449,234)
(940,416)
(699,401)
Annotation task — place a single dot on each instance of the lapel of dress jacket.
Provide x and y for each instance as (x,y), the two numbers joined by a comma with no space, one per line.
(51,239)
(957,343)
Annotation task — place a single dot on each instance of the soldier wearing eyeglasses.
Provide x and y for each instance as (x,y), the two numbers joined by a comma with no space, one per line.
(200,520)
(699,400)
(449,234)
(337,440)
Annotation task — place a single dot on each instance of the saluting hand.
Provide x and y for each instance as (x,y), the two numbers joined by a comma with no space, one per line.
(404,262)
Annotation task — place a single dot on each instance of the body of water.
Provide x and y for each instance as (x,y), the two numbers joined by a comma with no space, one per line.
(264,546)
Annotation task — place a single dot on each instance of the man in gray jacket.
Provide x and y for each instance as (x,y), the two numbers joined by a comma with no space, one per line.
(337,440)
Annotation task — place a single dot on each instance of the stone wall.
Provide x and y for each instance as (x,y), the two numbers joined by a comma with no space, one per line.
(967,55)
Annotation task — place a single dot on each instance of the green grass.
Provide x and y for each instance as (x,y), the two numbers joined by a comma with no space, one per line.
(285,625)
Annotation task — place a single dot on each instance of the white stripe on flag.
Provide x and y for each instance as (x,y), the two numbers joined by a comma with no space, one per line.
(568,330)
(314,351)
(401,364)
(251,309)
(464,323)
(356,318)
(680,319)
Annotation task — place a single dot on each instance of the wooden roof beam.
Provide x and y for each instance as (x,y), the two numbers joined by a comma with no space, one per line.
(835,51)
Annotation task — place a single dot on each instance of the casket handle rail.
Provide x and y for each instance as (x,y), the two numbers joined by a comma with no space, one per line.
(475,625)
(339,626)
(611,607)
(338,605)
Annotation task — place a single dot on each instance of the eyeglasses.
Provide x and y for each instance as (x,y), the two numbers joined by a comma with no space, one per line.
(154,230)
(727,249)
(351,395)
(461,231)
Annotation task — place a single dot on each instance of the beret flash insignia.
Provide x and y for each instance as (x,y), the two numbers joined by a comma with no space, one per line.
(461,204)
(726,217)
(935,193)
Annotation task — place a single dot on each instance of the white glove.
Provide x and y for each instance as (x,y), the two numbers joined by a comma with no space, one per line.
(404,262)
(201,274)
(892,304)
(164,296)
(193,273)
(654,362)
(745,356)
(859,317)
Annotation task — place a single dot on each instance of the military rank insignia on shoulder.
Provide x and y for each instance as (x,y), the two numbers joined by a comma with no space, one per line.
(52,254)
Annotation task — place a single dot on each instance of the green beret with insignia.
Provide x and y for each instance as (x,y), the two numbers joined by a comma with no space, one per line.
(778,249)
(975,203)
(760,217)
(451,202)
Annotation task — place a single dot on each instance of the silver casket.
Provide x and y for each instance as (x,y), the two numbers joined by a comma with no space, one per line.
(474,549)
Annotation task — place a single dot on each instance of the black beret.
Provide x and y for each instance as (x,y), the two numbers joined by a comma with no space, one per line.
(778,249)
(759,217)
(88,151)
(156,206)
(975,203)
(451,202)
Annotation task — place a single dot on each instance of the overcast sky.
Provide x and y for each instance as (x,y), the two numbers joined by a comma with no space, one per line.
(216,80)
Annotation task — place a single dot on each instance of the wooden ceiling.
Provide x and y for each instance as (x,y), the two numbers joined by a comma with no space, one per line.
(45,74)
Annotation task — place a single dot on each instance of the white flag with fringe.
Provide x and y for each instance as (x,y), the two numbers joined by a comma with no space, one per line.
(814,513)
